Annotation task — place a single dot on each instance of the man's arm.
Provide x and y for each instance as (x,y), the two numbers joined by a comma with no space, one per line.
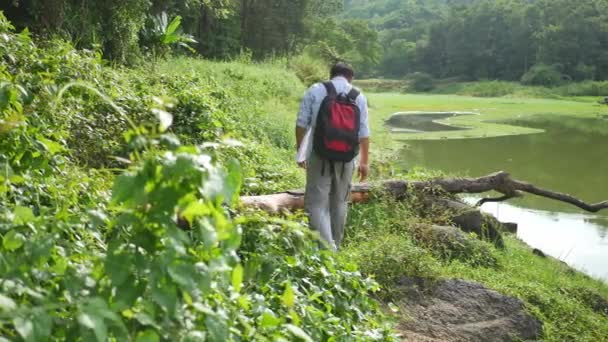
(363,169)
(300,132)
(304,120)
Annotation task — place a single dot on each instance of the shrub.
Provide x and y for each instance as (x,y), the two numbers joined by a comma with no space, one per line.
(421,82)
(586,88)
(449,243)
(542,75)
(309,69)
(151,252)
(390,257)
(584,72)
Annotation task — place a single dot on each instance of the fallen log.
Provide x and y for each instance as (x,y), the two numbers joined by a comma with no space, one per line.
(499,181)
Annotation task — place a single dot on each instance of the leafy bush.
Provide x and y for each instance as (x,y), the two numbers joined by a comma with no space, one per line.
(454,245)
(479,89)
(151,252)
(542,75)
(586,88)
(309,70)
(421,82)
(389,257)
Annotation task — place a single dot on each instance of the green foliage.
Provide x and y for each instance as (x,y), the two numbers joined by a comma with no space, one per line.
(310,70)
(446,245)
(161,35)
(421,82)
(389,257)
(153,251)
(281,260)
(379,240)
(351,40)
(482,39)
(586,88)
(542,75)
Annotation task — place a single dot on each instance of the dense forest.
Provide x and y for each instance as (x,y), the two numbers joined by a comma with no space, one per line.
(468,39)
(491,39)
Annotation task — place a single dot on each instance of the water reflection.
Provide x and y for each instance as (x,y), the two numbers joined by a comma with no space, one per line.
(572,238)
(570,157)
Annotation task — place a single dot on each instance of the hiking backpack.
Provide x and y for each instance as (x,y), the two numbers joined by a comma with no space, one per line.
(336,136)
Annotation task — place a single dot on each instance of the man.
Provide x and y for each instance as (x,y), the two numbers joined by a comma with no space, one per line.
(328,179)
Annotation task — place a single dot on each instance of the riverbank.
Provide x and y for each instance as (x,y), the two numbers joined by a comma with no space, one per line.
(545,284)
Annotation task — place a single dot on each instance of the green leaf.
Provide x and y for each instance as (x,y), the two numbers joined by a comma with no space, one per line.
(195,209)
(165,297)
(23,215)
(95,323)
(394,308)
(173,26)
(128,188)
(166,119)
(51,146)
(217,329)
(24,327)
(147,336)
(298,332)
(183,275)
(269,320)
(98,218)
(289,297)
(6,303)
(237,278)
(118,268)
(233,182)
(12,241)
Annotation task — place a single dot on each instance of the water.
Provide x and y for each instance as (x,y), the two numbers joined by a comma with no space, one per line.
(570,157)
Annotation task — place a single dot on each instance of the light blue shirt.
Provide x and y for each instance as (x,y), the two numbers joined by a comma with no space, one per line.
(311,103)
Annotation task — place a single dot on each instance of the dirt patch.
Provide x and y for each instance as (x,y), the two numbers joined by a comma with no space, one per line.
(458,310)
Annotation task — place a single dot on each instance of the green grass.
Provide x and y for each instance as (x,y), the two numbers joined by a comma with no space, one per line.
(492,111)
(381,239)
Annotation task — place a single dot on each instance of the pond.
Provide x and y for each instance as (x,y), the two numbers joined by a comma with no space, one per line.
(571,157)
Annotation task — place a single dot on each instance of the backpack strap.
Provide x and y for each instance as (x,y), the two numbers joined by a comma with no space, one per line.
(353,94)
(331,90)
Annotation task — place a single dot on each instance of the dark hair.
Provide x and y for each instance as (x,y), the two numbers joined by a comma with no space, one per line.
(342,69)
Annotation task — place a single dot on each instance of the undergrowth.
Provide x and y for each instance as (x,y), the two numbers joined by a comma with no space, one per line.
(118,219)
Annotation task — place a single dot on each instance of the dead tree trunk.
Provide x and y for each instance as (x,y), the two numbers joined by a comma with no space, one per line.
(500,182)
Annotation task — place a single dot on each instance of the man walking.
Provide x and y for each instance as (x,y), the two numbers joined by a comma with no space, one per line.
(331,130)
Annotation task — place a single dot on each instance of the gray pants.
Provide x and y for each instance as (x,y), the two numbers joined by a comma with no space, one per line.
(327,195)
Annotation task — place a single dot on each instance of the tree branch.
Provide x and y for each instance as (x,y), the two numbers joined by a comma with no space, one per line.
(499,181)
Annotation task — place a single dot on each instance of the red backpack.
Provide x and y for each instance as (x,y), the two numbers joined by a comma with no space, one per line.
(336,136)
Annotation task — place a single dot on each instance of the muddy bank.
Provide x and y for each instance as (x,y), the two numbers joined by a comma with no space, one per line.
(416,122)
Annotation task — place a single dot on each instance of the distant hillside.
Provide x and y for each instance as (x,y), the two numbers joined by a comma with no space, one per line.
(399,14)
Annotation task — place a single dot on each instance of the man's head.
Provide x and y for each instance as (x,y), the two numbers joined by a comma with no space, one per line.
(342,69)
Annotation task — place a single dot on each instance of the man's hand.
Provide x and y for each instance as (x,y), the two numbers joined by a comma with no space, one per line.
(363,171)
(303,165)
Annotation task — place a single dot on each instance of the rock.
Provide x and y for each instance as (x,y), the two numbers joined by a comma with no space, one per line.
(470,219)
(510,227)
(538,252)
(458,310)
